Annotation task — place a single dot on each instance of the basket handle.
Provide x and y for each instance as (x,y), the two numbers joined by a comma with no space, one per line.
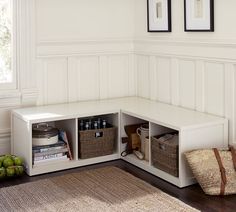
(161,146)
(138,131)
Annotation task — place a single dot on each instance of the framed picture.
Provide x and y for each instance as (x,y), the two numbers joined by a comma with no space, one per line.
(159,15)
(199,15)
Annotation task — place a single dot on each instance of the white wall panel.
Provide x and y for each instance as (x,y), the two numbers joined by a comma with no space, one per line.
(143,85)
(103,65)
(200,85)
(187,83)
(87,78)
(163,81)
(118,77)
(230,98)
(175,98)
(41,72)
(153,77)
(233,117)
(132,73)
(84,19)
(52,81)
(73,64)
(196,83)
(214,88)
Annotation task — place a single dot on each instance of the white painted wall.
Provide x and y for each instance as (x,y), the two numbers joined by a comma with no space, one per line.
(84,49)
(196,70)
(69,20)
(224,22)
(92,49)
(71,50)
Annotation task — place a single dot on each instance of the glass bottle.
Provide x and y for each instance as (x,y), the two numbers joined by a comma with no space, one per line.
(90,124)
(99,123)
(95,125)
(86,126)
(104,123)
(81,125)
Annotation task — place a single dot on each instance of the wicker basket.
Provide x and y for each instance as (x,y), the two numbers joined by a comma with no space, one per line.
(95,143)
(165,153)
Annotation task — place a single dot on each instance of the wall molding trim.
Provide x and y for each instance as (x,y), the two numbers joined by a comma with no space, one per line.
(29,96)
(203,42)
(67,42)
(66,48)
(5,133)
(185,57)
(10,99)
(189,48)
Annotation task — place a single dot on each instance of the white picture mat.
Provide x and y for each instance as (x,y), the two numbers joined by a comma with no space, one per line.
(193,23)
(158,23)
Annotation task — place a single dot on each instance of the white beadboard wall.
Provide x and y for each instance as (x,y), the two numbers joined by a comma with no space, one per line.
(96,49)
(79,50)
(87,53)
(89,77)
(199,84)
(195,70)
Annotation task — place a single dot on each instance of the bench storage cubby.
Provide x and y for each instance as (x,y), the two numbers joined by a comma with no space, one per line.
(194,129)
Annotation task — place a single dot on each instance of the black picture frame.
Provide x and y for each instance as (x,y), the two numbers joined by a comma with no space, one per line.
(165,21)
(207,24)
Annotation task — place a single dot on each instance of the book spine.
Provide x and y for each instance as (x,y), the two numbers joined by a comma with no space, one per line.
(60,143)
(51,152)
(48,149)
(45,157)
(62,158)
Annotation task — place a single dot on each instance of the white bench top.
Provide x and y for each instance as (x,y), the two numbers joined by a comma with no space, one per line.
(156,112)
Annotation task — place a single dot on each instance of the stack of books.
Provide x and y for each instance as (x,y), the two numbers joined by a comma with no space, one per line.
(59,151)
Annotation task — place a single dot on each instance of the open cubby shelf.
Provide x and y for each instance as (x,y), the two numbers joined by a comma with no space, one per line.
(195,130)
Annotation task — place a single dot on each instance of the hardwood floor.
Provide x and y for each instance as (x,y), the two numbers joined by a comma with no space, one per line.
(192,195)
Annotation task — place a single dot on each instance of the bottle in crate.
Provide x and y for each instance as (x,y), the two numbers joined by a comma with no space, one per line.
(97,141)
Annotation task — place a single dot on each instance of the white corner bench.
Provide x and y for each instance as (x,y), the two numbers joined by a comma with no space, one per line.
(196,130)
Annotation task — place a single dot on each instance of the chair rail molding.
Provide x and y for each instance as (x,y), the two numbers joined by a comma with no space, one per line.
(215,49)
(83,47)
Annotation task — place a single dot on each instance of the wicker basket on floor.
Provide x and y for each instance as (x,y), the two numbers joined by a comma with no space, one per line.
(95,143)
(165,153)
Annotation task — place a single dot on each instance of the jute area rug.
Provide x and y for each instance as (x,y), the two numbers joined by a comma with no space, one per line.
(104,189)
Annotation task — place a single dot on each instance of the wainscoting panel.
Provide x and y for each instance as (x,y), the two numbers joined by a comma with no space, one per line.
(118,77)
(214,88)
(200,85)
(175,98)
(53,81)
(163,82)
(195,83)
(230,100)
(89,77)
(143,71)
(83,78)
(187,83)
